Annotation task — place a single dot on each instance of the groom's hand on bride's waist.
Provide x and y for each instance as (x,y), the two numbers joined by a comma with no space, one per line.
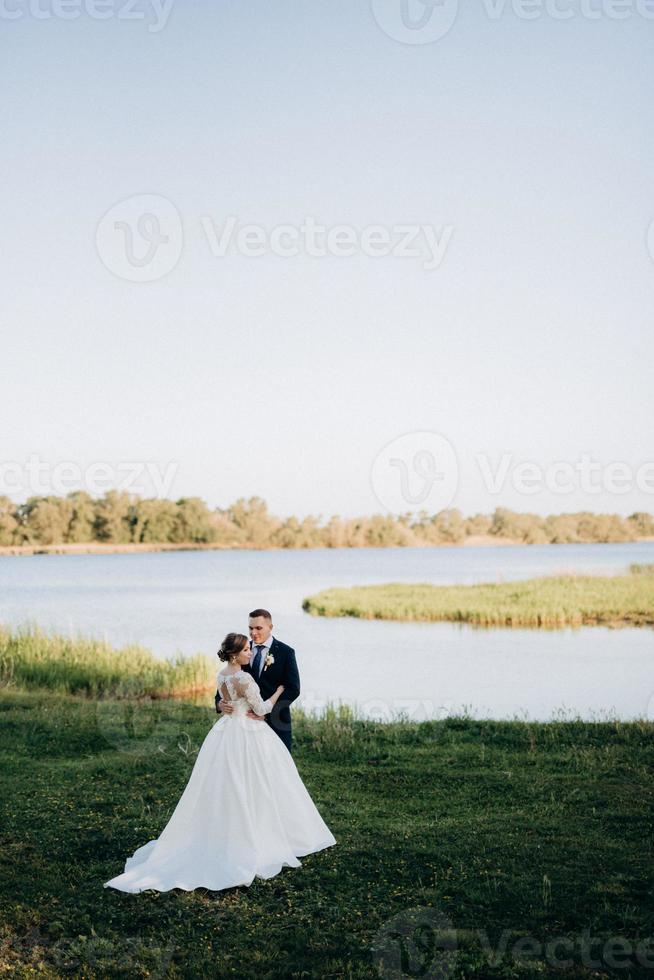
(227,708)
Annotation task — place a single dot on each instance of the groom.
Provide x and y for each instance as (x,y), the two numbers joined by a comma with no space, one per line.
(271,663)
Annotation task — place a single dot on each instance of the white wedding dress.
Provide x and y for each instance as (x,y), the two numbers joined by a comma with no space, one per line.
(244,811)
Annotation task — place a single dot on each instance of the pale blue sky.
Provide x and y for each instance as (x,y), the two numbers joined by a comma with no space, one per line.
(285,377)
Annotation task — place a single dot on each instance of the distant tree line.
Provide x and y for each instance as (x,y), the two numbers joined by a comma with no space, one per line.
(123,518)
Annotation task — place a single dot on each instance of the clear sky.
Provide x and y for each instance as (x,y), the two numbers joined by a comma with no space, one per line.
(526,144)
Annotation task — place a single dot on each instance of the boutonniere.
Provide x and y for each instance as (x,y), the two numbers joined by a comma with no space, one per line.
(268,661)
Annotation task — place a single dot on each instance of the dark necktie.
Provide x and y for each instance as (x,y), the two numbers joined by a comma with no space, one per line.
(256,663)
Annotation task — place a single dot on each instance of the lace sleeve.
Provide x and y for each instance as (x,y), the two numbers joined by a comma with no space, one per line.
(246,687)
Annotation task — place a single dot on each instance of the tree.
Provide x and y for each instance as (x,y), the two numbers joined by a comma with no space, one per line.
(81,527)
(603,527)
(334,534)
(9,522)
(223,529)
(561,528)
(478,524)
(120,518)
(522,527)
(384,531)
(193,521)
(254,524)
(115,517)
(297,534)
(449,526)
(46,519)
(154,521)
(643,524)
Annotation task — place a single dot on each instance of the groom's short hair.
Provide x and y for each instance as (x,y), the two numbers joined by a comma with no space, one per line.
(261,612)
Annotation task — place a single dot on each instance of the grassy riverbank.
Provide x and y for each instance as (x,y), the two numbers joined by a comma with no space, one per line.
(641,569)
(33,659)
(518,834)
(572,600)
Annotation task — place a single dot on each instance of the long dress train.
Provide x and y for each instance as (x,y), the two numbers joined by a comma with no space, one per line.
(244,811)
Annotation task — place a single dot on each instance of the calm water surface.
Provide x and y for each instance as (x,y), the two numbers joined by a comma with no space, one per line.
(186,601)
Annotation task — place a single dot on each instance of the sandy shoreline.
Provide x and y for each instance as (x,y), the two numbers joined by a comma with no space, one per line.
(96,548)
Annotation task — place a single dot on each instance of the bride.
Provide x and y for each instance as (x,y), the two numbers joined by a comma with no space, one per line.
(244,811)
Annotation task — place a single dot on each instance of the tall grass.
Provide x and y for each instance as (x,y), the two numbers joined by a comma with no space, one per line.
(540,602)
(31,659)
(641,569)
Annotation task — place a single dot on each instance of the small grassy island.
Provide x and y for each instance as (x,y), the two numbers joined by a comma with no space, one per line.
(570,600)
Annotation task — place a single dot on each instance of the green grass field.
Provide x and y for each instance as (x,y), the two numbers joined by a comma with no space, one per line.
(504,836)
(626,600)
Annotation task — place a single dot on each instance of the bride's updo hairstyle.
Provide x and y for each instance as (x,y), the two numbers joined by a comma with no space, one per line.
(231,645)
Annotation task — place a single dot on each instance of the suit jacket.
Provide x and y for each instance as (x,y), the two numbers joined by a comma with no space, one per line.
(282,671)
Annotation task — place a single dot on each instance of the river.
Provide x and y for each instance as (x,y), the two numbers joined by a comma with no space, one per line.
(186,601)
